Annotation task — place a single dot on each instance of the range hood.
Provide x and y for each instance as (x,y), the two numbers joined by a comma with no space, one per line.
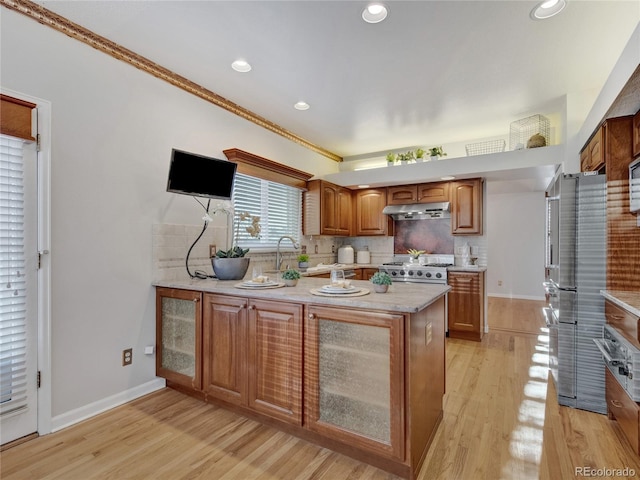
(418,211)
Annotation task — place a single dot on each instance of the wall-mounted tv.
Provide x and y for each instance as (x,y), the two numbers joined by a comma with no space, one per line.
(200,176)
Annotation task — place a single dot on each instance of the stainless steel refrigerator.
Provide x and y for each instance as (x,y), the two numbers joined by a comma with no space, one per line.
(576,257)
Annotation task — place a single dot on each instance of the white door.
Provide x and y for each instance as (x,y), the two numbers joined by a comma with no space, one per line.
(18,288)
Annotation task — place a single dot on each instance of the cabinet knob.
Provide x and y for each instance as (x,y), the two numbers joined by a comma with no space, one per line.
(196,300)
(312,316)
(251,307)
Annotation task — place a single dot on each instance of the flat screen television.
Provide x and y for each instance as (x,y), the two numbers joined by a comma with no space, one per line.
(200,176)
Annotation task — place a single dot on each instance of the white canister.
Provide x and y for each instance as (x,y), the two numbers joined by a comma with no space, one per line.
(345,254)
(363,256)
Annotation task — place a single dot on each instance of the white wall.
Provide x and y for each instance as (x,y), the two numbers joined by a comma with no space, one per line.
(515,227)
(113,128)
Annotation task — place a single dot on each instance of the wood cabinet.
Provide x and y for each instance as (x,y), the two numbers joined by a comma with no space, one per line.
(353,369)
(368,383)
(178,336)
(433,192)
(466,305)
(466,207)
(369,219)
(224,347)
(624,322)
(623,235)
(418,193)
(253,355)
(592,156)
(367,273)
(622,408)
(402,194)
(327,209)
(636,134)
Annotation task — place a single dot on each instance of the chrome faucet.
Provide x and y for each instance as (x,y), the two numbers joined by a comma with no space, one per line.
(296,245)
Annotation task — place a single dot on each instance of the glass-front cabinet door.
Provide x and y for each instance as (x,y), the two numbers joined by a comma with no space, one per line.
(178,336)
(354,380)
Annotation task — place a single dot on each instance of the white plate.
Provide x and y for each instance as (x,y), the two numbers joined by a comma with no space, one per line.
(258,284)
(330,289)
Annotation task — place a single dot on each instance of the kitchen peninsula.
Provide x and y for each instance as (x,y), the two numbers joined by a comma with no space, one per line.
(363,375)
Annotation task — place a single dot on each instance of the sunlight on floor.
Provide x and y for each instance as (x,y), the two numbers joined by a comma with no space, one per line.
(525,446)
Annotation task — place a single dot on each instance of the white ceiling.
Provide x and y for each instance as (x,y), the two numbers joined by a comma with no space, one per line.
(433,72)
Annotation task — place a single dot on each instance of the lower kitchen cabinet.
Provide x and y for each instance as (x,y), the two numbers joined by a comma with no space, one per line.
(367,273)
(466,305)
(622,408)
(353,371)
(253,355)
(178,336)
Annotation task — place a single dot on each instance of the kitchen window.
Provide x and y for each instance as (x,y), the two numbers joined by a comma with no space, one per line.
(278,206)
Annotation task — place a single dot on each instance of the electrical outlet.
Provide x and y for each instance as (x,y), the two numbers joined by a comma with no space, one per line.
(333,249)
(212,250)
(499,283)
(127,357)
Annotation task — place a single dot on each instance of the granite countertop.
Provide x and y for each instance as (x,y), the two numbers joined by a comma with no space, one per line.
(401,297)
(630,301)
(326,268)
(469,268)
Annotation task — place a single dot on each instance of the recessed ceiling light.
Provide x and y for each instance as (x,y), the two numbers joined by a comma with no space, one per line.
(374,13)
(301,106)
(448,177)
(241,66)
(363,186)
(547,9)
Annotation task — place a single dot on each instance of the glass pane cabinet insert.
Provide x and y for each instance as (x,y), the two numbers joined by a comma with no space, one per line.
(354,374)
(179,324)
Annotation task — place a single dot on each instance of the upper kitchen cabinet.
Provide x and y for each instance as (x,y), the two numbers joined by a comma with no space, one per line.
(327,209)
(369,219)
(636,134)
(402,195)
(433,192)
(592,156)
(466,207)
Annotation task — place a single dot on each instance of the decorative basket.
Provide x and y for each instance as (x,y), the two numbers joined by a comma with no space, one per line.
(522,130)
(482,148)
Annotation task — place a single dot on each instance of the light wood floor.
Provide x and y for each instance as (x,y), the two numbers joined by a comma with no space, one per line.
(501,421)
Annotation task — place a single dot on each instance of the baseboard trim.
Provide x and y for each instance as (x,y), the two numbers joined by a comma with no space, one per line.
(514,297)
(79,414)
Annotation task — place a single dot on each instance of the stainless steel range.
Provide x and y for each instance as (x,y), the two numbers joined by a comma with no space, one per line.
(428,268)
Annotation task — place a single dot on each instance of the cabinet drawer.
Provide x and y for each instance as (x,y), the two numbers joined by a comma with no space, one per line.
(623,409)
(625,322)
(402,195)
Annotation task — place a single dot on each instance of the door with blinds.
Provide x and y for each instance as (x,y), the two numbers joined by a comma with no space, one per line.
(18,288)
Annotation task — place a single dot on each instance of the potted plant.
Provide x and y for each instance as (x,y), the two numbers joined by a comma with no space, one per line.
(290,277)
(381,282)
(436,152)
(406,157)
(232,264)
(420,155)
(391,159)
(303,261)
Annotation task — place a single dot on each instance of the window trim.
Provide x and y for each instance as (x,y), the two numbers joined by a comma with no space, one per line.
(265,169)
(15,117)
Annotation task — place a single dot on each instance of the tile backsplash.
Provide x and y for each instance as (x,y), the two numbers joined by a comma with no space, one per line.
(171,243)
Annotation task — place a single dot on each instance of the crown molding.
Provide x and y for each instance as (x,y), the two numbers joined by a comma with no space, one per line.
(77,32)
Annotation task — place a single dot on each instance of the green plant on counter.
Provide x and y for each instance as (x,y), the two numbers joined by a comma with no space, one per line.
(437,152)
(420,153)
(391,157)
(290,274)
(303,258)
(235,252)
(381,278)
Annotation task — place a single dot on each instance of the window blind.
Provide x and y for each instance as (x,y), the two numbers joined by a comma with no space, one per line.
(278,206)
(13,381)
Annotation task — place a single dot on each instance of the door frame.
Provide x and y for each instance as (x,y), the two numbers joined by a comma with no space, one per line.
(41,121)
